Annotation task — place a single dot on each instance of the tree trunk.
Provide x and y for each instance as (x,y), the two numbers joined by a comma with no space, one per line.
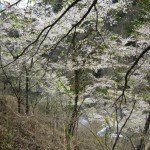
(19,106)
(27,91)
(72,123)
(19,94)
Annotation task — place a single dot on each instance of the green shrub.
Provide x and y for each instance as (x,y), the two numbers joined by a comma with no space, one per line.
(5,139)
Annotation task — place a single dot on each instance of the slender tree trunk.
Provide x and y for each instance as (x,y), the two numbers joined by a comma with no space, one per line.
(19,105)
(19,94)
(27,91)
(72,123)
(47,106)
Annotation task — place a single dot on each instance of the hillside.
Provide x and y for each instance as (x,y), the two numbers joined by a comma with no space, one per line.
(21,132)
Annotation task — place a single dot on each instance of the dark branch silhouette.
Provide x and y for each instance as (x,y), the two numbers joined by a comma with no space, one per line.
(10,6)
(128,73)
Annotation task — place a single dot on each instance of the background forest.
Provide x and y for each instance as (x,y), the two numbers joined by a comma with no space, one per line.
(74,74)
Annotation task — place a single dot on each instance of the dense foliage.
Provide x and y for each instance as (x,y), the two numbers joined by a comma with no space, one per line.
(77,66)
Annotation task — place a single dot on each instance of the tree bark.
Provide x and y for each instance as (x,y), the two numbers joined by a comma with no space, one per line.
(72,123)
(27,91)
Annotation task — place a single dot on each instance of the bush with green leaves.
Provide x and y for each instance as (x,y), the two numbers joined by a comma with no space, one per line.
(5,139)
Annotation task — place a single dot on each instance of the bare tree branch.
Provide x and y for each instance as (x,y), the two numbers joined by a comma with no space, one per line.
(118,133)
(123,91)
(10,6)
(5,74)
(49,27)
(73,27)
(130,71)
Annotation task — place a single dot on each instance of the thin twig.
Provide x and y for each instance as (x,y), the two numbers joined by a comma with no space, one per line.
(10,6)
(117,138)
(130,71)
